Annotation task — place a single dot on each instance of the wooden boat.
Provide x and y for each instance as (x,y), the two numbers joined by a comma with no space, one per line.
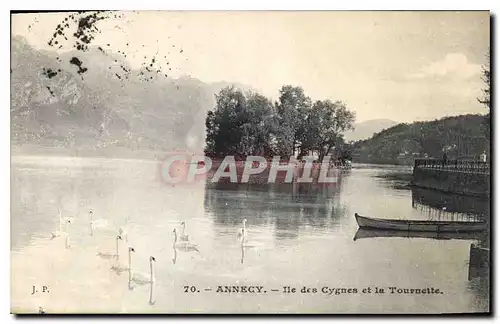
(374,233)
(419,225)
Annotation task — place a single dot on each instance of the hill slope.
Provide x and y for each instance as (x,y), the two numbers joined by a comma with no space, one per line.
(460,136)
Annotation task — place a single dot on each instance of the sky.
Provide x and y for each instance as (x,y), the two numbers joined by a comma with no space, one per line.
(403,66)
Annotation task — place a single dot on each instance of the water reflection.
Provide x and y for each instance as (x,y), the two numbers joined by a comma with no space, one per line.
(130,286)
(111,255)
(62,236)
(479,261)
(470,236)
(40,190)
(435,205)
(445,206)
(303,234)
(242,248)
(286,207)
(464,205)
(184,246)
(242,253)
(137,278)
(152,290)
(152,299)
(174,255)
(119,268)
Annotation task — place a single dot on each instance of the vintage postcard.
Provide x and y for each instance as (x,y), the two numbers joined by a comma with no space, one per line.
(250,162)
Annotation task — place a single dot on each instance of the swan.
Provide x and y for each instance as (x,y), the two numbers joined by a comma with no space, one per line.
(184,246)
(96,223)
(62,233)
(123,230)
(110,255)
(243,240)
(183,237)
(140,277)
(243,231)
(62,220)
(118,268)
(66,218)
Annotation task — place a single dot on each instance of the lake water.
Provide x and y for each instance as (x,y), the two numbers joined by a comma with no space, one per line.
(300,237)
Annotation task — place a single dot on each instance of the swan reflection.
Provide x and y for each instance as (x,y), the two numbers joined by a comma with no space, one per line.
(152,299)
(184,246)
(119,268)
(152,290)
(140,278)
(111,255)
(242,253)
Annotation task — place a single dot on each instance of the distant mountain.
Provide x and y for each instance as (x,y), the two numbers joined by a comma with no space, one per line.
(49,106)
(54,104)
(366,129)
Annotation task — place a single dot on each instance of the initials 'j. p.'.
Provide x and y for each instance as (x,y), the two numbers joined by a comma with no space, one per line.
(45,289)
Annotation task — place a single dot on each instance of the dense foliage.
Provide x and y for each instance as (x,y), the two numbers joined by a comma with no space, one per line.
(459,136)
(486,98)
(486,77)
(243,124)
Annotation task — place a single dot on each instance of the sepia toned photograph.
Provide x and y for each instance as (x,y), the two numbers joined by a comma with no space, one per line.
(250,162)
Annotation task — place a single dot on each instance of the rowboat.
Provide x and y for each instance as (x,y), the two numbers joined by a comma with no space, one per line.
(376,233)
(420,225)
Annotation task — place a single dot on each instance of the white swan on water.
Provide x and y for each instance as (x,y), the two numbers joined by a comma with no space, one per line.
(96,223)
(242,233)
(141,278)
(244,242)
(62,221)
(65,218)
(111,255)
(123,230)
(184,246)
(183,237)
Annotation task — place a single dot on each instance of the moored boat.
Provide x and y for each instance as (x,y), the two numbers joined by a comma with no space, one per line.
(420,225)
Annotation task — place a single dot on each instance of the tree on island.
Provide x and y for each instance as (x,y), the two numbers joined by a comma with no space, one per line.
(292,111)
(240,125)
(325,123)
(245,124)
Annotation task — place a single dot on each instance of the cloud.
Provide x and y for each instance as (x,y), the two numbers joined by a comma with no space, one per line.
(454,65)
